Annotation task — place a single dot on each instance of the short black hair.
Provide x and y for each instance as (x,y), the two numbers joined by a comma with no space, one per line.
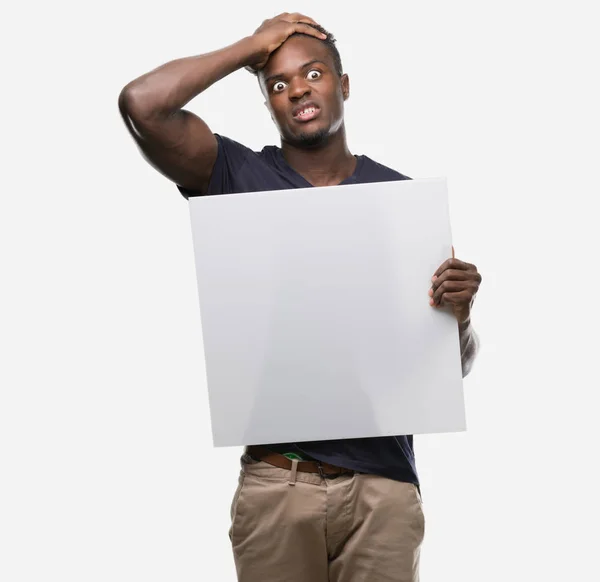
(329,41)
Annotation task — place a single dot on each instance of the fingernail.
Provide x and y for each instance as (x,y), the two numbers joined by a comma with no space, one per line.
(433,278)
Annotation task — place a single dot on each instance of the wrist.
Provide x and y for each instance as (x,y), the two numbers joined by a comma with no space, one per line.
(252,53)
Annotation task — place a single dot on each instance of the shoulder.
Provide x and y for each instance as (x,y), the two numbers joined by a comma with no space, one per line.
(241,153)
(232,148)
(373,171)
(234,166)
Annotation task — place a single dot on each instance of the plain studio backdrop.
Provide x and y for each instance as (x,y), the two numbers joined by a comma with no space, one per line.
(107,466)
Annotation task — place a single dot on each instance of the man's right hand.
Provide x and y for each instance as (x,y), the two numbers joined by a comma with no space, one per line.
(272,33)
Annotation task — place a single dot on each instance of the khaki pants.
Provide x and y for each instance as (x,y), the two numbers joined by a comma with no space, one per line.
(350,528)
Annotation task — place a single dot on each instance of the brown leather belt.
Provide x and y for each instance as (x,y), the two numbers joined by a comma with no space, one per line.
(264,454)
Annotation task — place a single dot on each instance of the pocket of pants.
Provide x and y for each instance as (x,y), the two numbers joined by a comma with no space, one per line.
(419,496)
(234,503)
(421,512)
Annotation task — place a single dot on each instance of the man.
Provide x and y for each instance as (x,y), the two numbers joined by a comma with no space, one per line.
(345,510)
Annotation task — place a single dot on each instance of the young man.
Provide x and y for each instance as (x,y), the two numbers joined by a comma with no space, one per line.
(354,511)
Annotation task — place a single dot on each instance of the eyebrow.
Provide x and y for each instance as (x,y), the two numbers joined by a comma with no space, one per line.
(280,75)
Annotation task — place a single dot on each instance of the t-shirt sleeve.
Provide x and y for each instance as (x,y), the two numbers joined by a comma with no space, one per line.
(231,157)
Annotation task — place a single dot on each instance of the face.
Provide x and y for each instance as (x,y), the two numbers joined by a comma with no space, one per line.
(303,91)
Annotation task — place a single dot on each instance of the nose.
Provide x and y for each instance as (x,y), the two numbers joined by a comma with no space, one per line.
(298,88)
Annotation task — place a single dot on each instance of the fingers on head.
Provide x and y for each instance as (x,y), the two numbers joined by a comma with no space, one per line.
(298,17)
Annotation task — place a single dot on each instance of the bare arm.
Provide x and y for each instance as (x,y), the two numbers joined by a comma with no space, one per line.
(174,141)
(469,346)
(177,142)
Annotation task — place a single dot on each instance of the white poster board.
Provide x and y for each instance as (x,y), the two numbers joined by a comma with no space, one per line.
(315,313)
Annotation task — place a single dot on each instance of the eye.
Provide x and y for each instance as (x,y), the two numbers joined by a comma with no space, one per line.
(278,86)
(313,74)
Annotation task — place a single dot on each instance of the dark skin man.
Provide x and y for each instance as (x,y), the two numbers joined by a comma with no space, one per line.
(371,507)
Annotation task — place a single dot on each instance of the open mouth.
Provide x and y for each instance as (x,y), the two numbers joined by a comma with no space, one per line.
(307,113)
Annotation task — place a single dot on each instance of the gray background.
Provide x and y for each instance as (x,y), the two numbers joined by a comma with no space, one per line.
(106,468)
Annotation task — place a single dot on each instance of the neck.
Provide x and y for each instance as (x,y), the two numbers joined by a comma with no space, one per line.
(327,164)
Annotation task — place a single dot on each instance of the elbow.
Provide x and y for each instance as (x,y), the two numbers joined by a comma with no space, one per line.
(139,103)
(130,103)
(132,113)
(139,114)
(125,97)
(127,110)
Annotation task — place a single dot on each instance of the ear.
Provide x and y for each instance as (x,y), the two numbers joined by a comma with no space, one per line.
(345,86)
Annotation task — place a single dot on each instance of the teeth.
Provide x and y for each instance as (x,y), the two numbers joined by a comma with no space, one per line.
(307,111)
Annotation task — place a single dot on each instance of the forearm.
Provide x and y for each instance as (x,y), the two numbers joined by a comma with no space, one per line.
(469,346)
(171,86)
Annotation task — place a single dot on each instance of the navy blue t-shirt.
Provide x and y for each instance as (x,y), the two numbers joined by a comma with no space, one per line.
(239,169)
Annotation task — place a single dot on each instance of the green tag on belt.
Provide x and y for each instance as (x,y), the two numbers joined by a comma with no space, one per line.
(293,456)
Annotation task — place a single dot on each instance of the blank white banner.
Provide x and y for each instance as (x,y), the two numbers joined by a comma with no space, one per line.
(315,313)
